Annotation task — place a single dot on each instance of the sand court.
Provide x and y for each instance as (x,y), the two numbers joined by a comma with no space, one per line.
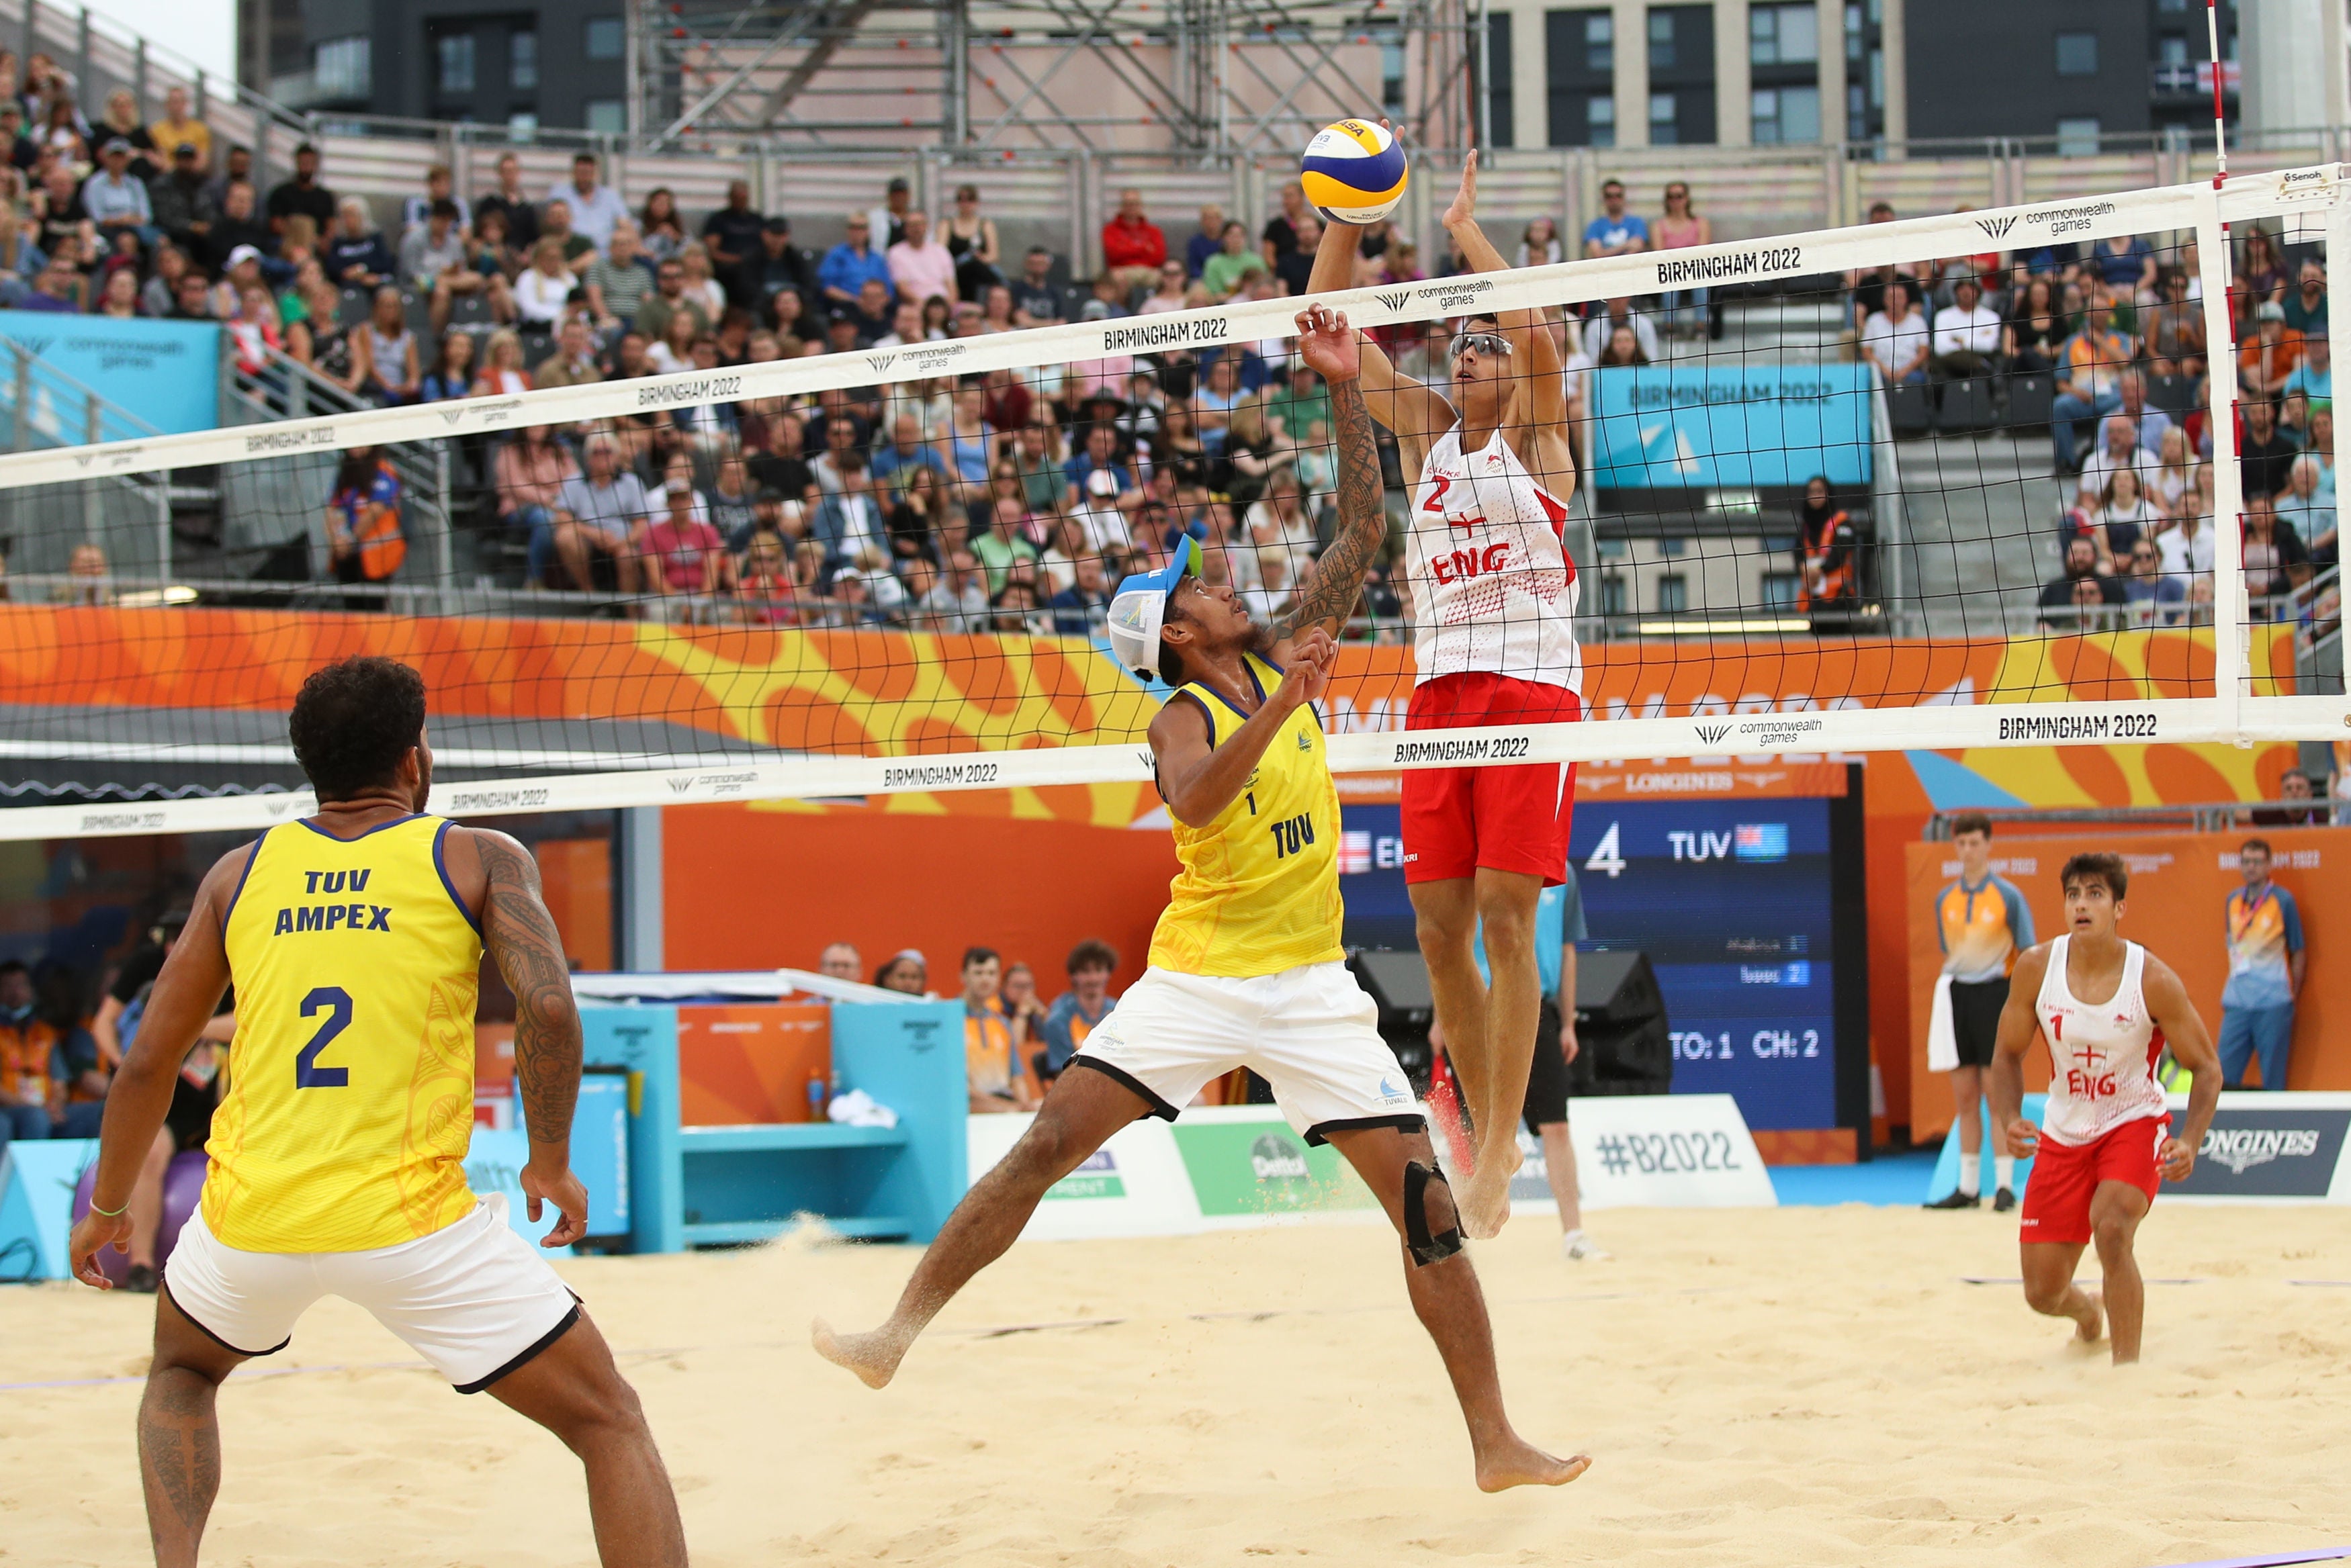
(1792,1387)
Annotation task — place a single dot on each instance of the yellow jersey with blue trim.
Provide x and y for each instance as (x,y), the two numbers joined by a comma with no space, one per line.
(1259,889)
(349,1105)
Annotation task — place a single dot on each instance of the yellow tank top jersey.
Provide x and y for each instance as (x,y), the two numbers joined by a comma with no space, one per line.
(1258,891)
(350,1096)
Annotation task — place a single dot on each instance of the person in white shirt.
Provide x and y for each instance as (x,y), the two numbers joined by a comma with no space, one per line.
(1897,340)
(1967,334)
(2118,447)
(2187,547)
(595,208)
(1619,313)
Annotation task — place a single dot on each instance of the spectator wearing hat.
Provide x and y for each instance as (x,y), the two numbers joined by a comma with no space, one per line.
(179,199)
(302,194)
(778,264)
(116,199)
(905,971)
(2264,363)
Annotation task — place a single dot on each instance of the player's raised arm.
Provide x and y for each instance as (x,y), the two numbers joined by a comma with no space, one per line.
(185,995)
(1547,371)
(1199,780)
(2191,1047)
(1408,407)
(1328,344)
(2004,1080)
(523,941)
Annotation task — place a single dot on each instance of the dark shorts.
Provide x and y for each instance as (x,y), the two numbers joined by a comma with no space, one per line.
(1546,1078)
(1975,1008)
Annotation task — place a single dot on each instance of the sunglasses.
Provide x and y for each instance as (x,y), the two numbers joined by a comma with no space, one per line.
(1491,344)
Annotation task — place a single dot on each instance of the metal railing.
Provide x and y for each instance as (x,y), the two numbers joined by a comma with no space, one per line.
(2212,816)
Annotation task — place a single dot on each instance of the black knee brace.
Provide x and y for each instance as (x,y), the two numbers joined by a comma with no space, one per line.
(1427,1248)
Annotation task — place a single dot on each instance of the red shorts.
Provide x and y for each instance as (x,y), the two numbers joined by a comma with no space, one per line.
(2065,1176)
(1511,818)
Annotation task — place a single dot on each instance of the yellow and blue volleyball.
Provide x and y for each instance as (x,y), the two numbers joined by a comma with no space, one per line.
(1354,171)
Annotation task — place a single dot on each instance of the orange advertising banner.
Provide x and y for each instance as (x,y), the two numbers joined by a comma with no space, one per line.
(2178,881)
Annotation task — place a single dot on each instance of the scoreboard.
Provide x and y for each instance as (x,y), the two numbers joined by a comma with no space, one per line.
(1750,912)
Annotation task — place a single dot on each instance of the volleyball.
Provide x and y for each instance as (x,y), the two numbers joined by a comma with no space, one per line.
(1354,171)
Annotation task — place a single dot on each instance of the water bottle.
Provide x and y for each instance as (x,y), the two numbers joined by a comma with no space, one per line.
(816,1096)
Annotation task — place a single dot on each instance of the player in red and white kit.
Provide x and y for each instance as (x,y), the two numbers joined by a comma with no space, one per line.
(2105,1134)
(1493,606)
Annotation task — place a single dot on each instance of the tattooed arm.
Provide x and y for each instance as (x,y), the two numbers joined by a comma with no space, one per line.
(1327,596)
(523,941)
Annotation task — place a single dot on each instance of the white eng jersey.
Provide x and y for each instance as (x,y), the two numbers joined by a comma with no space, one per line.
(1493,588)
(2101,1055)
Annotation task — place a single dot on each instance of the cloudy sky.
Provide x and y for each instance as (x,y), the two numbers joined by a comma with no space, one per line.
(203,31)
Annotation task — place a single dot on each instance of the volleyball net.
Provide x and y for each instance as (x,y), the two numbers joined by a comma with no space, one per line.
(1972,480)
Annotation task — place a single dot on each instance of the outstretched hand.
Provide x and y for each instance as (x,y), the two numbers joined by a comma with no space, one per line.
(1463,209)
(1327,344)
(1306,669)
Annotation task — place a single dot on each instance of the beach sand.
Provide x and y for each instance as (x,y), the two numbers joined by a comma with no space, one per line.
(1798,1387)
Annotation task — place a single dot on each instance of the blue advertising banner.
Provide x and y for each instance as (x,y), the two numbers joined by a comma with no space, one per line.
(1674,427)
(1732,902)
(164,374)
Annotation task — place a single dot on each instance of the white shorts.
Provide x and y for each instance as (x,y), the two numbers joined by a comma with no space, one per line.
(474,1299)
(1309,1031)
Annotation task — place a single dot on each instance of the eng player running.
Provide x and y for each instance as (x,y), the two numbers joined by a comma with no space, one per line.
(1493,598)
(2105,1132)
(1245,965)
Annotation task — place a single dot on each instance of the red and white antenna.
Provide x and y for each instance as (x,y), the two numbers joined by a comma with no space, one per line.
(2219,129)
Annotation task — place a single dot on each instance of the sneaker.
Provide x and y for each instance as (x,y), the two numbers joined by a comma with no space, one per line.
(140,1280)
(1576,1248)
(2002,1202)
(1956,1199)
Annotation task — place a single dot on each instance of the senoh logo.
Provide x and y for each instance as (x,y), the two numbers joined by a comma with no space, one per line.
(1997,228)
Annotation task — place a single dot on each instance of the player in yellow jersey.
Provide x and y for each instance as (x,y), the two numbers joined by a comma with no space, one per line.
(355,940)
(1245,965)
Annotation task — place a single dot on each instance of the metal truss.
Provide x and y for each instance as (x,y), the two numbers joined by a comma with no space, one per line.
(1209,78)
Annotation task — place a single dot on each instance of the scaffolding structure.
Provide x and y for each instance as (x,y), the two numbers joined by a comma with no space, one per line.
(1199,79)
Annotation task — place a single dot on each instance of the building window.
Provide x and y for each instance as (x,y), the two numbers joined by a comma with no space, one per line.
(1600,42)
(1853,33)
(453,55)
(609,116)
(604,38)
(1600,120)
(1785,114)
(522,60)
(1501,103)
(1392,63)
(1673,593)
(2172,50)
(340,67)
(1665,128)
(2077,54)
(1611,594)
(1672,547)
(522,125)
(1780,590)
(2078,138)
(1783,35)
(1661,41)
(1612,549)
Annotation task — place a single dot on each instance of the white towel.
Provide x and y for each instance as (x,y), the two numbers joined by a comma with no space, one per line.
(857,1109)
(1942,1040)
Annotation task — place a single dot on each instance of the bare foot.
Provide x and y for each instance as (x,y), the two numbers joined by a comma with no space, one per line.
(2090,1322)
(1485,1200)
(873,1356)
(1519,1463)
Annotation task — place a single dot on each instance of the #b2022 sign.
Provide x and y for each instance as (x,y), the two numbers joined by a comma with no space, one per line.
(1666,1151)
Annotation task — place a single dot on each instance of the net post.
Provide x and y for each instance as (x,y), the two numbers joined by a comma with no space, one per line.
(93,521)
(161,495)
(2230,610)
(24,391)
